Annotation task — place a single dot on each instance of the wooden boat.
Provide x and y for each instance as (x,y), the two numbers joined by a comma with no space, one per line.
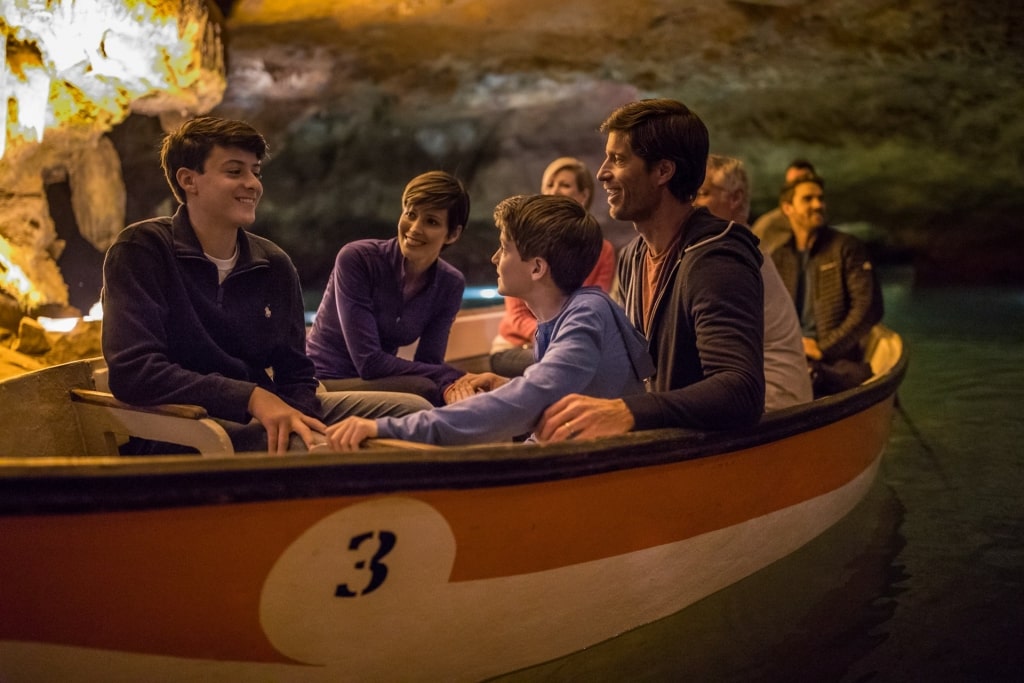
(392,564)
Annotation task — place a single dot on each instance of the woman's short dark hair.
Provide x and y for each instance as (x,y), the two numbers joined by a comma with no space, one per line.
(439,190)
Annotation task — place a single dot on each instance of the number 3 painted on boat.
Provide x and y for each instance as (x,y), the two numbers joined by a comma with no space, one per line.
(401,549)
(378,570)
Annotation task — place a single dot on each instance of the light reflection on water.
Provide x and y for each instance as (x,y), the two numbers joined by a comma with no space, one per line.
(924,580)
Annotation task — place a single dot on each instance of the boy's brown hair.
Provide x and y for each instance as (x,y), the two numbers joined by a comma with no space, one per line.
(556,229)
(190,145)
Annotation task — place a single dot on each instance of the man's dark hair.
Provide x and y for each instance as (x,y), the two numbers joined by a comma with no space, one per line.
(556,229)
(802,165)
(439,190)
(666,129)
(786,196)
(190,145)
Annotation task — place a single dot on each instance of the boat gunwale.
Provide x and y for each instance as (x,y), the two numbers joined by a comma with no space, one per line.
(93,484)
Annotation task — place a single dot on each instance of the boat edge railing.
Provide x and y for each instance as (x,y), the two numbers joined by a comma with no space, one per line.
(36,485)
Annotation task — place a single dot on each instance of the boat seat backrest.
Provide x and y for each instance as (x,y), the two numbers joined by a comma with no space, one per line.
(108,422)
(37,415)
(65,410)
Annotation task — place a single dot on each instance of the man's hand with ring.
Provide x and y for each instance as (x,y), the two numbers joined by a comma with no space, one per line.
(576,415)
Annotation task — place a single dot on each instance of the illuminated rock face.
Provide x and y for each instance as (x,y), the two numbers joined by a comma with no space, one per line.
(73,70)
(911,110)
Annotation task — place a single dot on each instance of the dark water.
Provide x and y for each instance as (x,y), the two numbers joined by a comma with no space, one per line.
(924,580)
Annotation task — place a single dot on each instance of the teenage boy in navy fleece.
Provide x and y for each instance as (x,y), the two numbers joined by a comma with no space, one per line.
(199,310)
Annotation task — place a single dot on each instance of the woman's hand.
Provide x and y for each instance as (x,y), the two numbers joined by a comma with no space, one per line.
(472,383)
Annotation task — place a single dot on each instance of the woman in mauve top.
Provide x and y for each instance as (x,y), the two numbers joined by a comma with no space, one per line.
(386,294)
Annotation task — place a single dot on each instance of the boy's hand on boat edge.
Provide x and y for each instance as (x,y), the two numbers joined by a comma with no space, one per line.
(281,420)
(350,433)
(583,417)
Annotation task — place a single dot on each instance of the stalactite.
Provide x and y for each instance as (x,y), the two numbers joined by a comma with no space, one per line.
(73,70)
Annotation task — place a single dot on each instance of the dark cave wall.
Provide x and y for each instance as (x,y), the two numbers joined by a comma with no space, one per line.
(910,110)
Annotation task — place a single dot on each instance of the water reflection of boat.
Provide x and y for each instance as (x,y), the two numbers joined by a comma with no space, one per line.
(398,564)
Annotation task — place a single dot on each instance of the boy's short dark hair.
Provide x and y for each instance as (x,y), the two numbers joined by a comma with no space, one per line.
(556,229)
(789,189)
(666,129)
(190,145)
(439,190)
